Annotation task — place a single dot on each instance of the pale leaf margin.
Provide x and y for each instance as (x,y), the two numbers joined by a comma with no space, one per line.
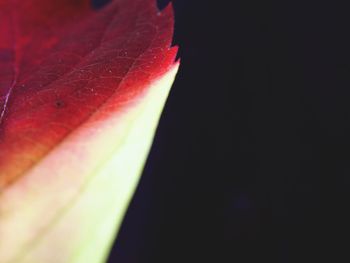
(74,214)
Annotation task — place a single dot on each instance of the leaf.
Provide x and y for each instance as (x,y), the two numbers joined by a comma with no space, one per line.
(81,92)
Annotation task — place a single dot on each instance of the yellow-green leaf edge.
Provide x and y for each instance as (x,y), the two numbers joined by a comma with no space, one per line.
(74,219)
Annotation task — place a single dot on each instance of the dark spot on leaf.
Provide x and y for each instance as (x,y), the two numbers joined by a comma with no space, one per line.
(97,4)
(59,103)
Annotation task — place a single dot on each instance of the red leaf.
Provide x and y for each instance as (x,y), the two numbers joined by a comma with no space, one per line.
(63,64)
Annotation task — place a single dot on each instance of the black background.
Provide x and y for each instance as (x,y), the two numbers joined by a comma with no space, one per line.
(251,158)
